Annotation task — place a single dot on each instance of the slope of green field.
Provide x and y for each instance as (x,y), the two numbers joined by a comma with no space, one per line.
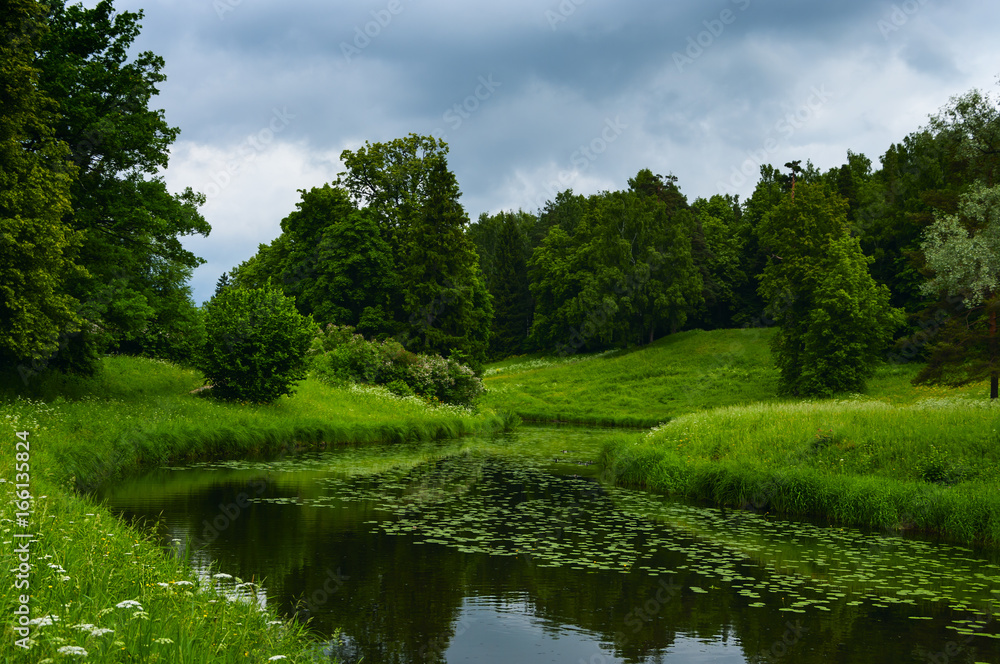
(899,456)
(681,373)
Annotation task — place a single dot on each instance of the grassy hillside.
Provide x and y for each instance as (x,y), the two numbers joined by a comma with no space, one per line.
(897,457)
(681,373)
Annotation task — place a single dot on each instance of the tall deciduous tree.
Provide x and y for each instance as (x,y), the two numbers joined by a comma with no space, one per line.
(390,179)
(137,270)
(835,321)
(963,250)
(413,196)
(36,248)
(625,274)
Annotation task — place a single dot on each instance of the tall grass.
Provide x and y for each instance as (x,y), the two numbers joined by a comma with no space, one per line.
(932,465)
(91,572)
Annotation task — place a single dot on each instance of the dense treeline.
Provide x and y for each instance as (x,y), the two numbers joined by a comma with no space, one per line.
(385,251)
(92,260)
(623,268)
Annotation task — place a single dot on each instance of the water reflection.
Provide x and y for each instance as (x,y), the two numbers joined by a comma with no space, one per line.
(510,550)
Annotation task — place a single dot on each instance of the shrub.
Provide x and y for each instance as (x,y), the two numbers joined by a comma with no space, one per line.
(338,354)
(256,343)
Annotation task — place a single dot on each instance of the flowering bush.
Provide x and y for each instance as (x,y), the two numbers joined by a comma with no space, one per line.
(338,354)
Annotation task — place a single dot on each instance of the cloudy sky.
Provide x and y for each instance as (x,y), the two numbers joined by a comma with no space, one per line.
(538,96)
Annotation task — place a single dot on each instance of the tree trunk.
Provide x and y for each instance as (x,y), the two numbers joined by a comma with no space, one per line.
(652,327)
(994,387)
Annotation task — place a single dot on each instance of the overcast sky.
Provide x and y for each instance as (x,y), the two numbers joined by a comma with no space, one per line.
(535,97)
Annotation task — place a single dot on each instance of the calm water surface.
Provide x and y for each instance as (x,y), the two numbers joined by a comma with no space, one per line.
(511,550)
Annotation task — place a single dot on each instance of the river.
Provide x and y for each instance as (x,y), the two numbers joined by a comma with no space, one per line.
(512,550)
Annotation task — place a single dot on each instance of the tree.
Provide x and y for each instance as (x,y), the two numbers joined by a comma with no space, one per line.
(390,179)
(625,273)
(406,186)
(448,309)
(256,344)
(725,234)
(643,244)
(36,249)
(972,123)
(336,264)
(963,250)
(135,286)
(835,321)
(503,243)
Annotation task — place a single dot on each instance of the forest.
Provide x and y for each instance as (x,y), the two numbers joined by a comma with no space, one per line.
(855,264)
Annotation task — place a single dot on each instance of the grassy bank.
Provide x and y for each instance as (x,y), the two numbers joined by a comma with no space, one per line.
(933,466)
(96,583)
(898,457)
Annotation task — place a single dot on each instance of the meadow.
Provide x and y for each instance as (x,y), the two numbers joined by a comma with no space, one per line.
(898,457)
(699,415)
(99,585)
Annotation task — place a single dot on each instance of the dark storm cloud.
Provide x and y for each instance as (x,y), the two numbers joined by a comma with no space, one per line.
(524,92)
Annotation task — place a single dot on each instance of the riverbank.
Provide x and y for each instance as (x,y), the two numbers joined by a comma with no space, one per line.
(899,457)
(932,467)
(100,585)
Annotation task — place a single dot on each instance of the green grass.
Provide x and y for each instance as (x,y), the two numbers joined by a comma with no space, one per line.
(640,387)
(932,466)
(897,457)
(137,414)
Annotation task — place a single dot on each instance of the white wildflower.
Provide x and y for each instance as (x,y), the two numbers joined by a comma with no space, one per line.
(75,651)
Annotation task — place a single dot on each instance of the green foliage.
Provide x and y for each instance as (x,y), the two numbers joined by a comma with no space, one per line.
(859,462)
(335,264)
(385,250)
(391,179)
(723,235)
(339,355)
(835,321)
(503,242)
(134,295)
(133,416)
(676,374)
(963,250)
(36,248)
(625,272)
(447,306)
(256,344)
